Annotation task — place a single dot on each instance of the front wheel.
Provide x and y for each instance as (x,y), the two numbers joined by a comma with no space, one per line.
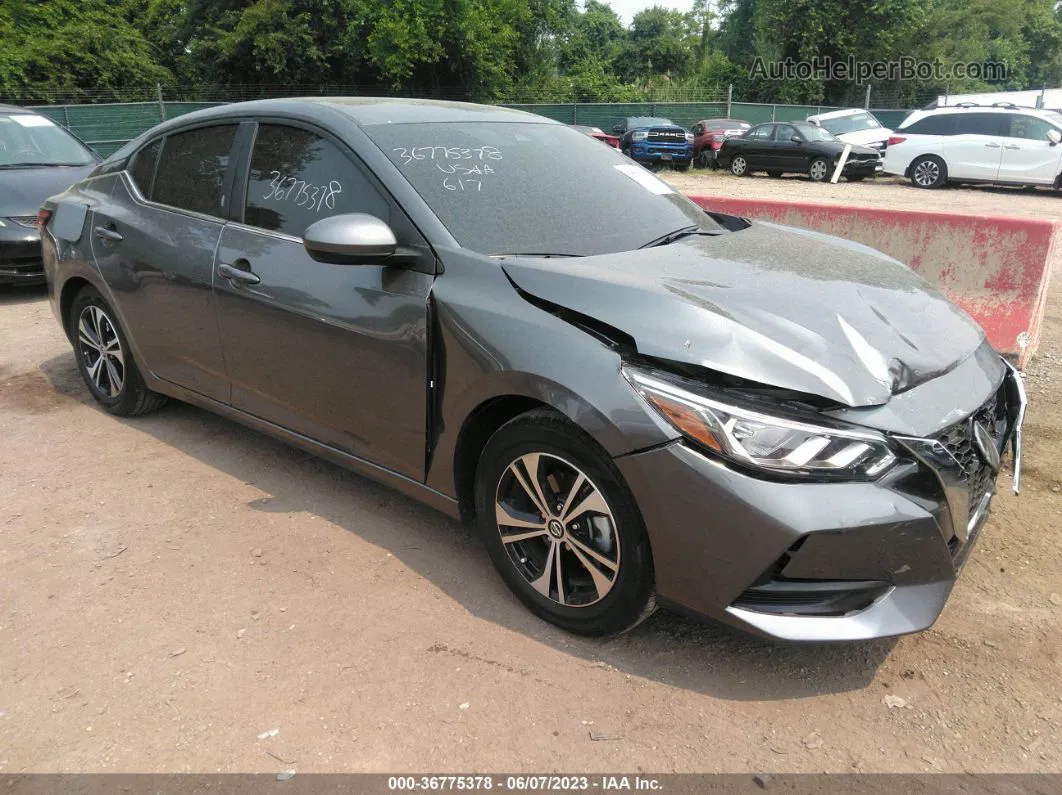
(739,166)
(562,528)
(819,170)
(104,359)
(928,172)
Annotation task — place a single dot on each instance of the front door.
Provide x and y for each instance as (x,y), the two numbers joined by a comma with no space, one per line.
(1029,156)
(154,242)
(337,353)
(788,155)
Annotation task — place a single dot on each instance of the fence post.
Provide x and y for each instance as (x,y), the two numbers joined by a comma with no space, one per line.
(729,98)
(575,113)
(162,105)
(774,109)
(866,103)
(66,116)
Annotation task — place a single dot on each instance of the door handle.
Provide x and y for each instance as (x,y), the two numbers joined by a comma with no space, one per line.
(235,274)
(1012,146)
(108,233)
(992,146)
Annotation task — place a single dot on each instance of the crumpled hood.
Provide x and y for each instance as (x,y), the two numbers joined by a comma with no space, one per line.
(871,135)
(23,190)
(772,304)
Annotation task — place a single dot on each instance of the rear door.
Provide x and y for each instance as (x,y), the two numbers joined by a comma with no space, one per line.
(337,353)
(975,149)
(1029,157)
(154,242)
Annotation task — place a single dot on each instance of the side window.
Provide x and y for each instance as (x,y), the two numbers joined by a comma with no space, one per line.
(784,132)
(979,123)
(191,171)
(761,133)
(943,124)
(698,129)
(1030,127)
(297,177)
(142,170)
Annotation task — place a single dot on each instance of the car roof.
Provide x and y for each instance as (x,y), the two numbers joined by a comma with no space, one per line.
(837,114)
(722,121)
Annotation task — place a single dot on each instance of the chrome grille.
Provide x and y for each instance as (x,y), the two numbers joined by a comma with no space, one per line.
(667,136)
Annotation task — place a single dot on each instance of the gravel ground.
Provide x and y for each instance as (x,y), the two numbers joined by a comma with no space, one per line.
(174,586)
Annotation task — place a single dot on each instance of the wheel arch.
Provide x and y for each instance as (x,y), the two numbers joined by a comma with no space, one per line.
(71,287)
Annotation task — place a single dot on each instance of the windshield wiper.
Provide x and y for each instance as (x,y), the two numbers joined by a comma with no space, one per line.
(543,255)
(678,234)
(38,165)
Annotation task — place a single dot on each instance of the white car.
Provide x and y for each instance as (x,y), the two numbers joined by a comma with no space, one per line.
(854,126)
(1002,144)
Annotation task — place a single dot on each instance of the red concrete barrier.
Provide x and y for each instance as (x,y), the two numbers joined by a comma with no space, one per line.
(996,268)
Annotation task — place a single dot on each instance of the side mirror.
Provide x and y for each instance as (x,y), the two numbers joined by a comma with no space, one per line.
(349,239)
(797,139)
(1054,136)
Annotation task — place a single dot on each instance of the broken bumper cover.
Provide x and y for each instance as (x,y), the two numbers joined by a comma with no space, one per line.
(20,255)
(804,561)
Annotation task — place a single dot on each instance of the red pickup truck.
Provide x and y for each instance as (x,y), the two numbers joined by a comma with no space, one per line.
(708,136)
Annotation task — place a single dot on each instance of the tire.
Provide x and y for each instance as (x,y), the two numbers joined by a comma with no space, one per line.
(104,359)
(739,166)
(606,594)
(706,160)
(819,169)
(929,172)
(683,165)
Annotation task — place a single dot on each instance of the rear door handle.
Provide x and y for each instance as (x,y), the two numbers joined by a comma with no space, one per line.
(237,274)
(992,146)
(108,233)
(1012,146)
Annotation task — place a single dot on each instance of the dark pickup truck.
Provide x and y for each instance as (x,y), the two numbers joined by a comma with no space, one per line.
(650,140)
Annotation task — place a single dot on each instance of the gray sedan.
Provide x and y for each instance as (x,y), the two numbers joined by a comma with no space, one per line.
(634,401)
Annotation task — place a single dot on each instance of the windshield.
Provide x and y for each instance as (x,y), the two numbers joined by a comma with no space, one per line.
(32,140)
(849,124)
(635,122)
(813,133)
(532,188)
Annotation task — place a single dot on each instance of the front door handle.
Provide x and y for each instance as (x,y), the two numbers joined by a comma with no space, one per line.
(237,274)
(1012,146)
(108,233)
(992,146)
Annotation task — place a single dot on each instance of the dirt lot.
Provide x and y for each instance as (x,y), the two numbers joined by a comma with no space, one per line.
(175,585)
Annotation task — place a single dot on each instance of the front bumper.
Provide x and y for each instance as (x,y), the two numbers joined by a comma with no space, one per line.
(815,561)
(657,152)
(20,255)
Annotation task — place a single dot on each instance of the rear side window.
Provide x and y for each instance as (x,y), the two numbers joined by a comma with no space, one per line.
(191,171)
(1029,127)
(979,123)
(297,177)
(943,124)
(142,170)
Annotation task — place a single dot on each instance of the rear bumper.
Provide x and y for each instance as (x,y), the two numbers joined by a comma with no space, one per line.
(20,255)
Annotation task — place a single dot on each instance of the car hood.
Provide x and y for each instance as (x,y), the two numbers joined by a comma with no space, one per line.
(23,190)
(871,135)
(771,304)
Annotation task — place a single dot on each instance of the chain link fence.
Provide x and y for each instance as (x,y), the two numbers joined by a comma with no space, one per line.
(106,120)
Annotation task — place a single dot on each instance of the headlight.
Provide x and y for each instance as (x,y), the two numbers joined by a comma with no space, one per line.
(689,138)
(639,135)
(762,441)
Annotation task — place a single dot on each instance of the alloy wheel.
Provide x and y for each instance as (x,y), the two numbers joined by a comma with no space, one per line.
(927,173)
(101,350)
(557,529)
(818,170)
(738,166)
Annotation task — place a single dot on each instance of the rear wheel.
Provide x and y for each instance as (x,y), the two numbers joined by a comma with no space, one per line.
(562,528)
(928,172)
(739,166)
(819,169)
(104,359)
